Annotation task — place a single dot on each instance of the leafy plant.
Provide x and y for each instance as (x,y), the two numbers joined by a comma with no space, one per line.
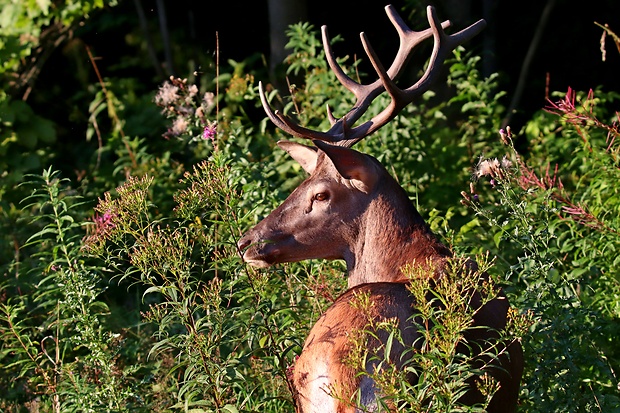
(443,360)
(556,236)
(54,341)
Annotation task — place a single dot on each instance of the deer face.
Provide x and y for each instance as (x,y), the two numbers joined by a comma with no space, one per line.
(321,218)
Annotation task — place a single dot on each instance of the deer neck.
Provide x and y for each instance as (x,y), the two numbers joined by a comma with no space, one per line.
(392,234)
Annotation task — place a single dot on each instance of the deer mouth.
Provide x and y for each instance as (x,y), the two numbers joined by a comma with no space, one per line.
(261,254)
(256,262)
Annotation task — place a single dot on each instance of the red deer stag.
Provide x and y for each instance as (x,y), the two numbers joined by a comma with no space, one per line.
(350,208)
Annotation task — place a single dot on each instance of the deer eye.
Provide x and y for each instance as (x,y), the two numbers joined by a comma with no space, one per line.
(321,196)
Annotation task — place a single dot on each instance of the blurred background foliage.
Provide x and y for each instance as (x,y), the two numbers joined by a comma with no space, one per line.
(104,112)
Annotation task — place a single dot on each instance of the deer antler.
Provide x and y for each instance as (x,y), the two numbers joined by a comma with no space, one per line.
(342,132)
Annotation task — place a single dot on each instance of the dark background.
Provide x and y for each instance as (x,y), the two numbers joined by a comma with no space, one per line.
(567,55)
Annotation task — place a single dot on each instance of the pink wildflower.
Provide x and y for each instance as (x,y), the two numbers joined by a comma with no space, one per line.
(105,222)
(104,227)
(209,132)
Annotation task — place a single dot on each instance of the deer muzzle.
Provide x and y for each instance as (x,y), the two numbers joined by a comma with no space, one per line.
(260,252)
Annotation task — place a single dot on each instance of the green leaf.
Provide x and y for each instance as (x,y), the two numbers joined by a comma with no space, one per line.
(230,408)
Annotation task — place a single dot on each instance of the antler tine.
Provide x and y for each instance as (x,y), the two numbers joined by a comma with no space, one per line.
(342,132)
(270,113)
(443,45)
(287,125)
(330,115)
(364,94)
(409,39)
(342,77)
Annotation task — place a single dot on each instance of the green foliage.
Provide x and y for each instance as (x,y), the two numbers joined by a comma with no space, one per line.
(25,25)
(444,319)
(556,231)
(145,305)
(21,133)
(29,32)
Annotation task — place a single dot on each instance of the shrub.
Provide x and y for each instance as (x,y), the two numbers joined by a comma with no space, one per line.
(145,305)
(553,219)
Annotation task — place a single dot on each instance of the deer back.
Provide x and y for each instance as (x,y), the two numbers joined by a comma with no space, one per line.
(325,379)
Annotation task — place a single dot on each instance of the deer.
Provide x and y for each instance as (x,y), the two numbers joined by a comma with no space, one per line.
(350,208)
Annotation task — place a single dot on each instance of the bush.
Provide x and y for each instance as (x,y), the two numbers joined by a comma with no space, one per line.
(145,305)
(553,219)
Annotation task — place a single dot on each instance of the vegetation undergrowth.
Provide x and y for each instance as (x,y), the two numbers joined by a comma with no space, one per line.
(444,358)
(555,228)
(124,291)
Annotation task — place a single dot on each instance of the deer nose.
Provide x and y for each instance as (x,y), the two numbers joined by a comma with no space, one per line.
(243,243)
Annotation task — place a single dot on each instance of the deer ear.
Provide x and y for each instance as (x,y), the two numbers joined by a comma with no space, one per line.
(352,165)
(306,156)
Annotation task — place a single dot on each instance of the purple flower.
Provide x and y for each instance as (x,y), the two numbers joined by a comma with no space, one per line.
(209,132)
(105,221)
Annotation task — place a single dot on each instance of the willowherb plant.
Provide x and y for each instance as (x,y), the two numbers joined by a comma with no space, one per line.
(582,118)
(53,336)
(556,228)
(444,317)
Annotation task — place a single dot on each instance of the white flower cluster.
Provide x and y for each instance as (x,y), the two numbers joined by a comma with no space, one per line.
(493,167)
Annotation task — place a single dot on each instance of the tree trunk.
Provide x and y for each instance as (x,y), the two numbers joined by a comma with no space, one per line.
(282,13)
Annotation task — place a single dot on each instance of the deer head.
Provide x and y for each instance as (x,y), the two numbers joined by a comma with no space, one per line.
(350,207)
